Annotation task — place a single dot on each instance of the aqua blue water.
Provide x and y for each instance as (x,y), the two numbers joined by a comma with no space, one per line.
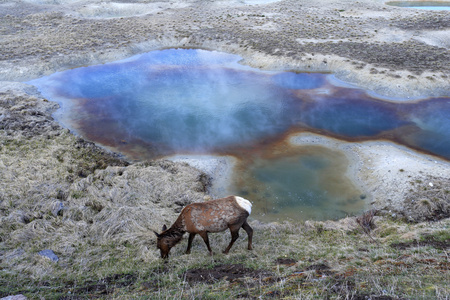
(351,116)
(431,120)
(427,5)
(195,101)
(202,101)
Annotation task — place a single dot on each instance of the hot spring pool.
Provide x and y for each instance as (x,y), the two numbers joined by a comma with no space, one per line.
(189,101)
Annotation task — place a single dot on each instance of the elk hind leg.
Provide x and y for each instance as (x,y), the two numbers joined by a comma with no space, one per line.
(234,236)
(249,231)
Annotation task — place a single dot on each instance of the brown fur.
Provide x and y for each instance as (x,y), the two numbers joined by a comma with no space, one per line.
(202,218)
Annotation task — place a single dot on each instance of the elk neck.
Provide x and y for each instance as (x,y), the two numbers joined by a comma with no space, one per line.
(174,234)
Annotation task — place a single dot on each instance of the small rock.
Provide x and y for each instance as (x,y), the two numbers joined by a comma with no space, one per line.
(15,297)
(49,254)
(57,210)
(430,184)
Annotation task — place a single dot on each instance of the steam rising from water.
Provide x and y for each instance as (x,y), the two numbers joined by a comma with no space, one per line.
(194,101)
(174,101)
(188,100)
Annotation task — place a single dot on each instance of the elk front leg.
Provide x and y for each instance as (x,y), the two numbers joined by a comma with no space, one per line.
(204,235)
(191,238)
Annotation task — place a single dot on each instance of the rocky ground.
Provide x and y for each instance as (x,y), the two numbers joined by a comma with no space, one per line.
(95,211)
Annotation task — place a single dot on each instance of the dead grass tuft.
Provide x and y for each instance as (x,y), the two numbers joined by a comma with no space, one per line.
(366,220)
(429,200)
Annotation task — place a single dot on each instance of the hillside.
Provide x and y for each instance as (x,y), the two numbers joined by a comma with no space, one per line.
(76,219)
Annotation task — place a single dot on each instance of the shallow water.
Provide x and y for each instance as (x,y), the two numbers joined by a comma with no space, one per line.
(181,101)
(309,182)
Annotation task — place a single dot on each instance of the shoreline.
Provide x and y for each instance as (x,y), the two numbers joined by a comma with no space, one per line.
(382,170)
(370,45)
(392,85)
(390,50)
(376,167)
(219,168)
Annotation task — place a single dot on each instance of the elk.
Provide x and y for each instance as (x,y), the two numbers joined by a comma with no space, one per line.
(205,217)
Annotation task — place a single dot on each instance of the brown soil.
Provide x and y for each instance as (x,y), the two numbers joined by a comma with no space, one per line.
(428,241)
(286,261)
(232,273)
(319,268)
(100,288)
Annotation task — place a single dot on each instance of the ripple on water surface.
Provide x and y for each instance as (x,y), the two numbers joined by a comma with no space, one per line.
(180,101)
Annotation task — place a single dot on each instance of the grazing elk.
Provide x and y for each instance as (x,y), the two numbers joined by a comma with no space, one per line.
(204,217)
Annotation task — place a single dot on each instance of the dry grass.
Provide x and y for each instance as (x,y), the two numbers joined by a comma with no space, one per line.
(322,263)
(56,192)
(427,200)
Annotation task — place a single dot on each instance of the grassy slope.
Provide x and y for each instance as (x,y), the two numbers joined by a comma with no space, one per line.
(320,263)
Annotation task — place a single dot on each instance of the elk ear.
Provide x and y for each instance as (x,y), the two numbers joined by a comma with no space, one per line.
(157,234)
(164,227)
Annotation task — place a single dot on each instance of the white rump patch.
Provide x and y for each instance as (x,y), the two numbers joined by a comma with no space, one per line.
(244,203)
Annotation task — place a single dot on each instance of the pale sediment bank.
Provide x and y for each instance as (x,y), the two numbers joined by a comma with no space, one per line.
(385,170)
(391,86)
(218,168)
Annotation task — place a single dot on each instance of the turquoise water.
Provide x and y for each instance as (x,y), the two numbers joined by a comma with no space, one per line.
(181,101)
(427,5)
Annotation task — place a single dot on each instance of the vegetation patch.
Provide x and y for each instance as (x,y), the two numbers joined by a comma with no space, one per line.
(427,200)
(428,240)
